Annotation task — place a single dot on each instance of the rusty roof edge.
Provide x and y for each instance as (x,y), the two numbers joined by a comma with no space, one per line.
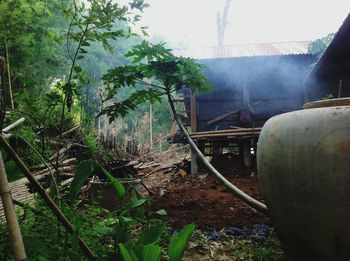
(330,47)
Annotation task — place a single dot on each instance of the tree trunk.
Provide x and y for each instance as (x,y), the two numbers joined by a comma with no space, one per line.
(8,71)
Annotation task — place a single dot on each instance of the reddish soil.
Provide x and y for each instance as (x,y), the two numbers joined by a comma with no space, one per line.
(203,200)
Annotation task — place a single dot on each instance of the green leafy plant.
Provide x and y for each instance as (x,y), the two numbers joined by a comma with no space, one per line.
(179,242)
(82,172)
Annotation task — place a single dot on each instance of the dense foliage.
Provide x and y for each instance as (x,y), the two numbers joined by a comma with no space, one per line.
(32,35)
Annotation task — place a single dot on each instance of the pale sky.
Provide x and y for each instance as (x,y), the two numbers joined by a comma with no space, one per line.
(193,22)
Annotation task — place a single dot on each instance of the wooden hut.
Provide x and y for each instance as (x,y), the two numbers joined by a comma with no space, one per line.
(251,84)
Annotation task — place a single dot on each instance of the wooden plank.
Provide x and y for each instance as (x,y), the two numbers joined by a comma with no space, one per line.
(237,134)
(223,116)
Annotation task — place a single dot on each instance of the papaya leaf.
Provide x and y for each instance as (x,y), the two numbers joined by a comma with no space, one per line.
(179,241)
(82,172)
(161,212)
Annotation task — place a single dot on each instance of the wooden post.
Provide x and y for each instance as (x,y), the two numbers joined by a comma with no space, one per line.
(194,164)
(150,127)
(306,93)
(10,214)
(247,154)
(340,88)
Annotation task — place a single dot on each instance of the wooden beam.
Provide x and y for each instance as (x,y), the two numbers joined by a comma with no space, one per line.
(194,165)
(193,113)
(223,116)
(232,134)
(236,130)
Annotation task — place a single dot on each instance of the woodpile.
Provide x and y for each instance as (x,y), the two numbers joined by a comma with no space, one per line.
(63,172)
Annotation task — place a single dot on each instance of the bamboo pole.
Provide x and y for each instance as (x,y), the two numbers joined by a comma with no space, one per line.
(41,191)
(10,214)
(2,92)
(13,125)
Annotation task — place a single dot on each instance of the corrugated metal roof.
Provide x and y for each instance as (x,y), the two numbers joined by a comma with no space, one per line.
(246,50)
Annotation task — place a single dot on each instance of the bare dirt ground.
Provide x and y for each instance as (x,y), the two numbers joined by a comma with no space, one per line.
(204,200)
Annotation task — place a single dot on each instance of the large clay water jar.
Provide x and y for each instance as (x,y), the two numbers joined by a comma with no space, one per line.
(304,168)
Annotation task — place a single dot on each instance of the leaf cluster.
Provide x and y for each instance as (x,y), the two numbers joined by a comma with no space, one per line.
(156,68)
(31,31)
(318,46)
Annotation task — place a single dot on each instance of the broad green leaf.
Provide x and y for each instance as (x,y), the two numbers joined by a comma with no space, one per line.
(127,253)
(151,252)
(179,241)
(161,212)
(75,239)
(138,202)
(152,235)
(119,188)
(125,219)
(155,220)
(82,172)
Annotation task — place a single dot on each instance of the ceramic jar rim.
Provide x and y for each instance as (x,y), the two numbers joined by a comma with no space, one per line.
(327,103)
